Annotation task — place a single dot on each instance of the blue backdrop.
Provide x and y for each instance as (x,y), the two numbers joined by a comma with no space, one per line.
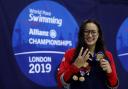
(112,15)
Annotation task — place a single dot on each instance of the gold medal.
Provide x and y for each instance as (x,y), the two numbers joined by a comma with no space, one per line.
(75,78)
(99,56)
(82,79)
(82,73)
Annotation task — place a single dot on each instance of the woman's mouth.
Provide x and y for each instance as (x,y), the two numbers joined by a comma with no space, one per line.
(90,39)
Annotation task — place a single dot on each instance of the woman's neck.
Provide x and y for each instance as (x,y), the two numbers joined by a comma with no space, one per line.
(91,49)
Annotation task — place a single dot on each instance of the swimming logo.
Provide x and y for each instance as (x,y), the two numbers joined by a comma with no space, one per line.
(43,31)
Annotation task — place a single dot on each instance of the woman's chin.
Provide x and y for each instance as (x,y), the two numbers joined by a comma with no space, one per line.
(90,43)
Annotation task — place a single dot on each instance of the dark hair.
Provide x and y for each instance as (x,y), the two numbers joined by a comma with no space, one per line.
(81,43)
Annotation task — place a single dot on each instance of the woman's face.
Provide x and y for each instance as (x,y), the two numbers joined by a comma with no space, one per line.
(91,34)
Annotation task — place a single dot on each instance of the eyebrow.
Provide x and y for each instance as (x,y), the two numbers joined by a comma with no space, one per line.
(90,30)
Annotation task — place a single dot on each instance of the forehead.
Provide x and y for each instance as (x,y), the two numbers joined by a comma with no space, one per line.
(91,26)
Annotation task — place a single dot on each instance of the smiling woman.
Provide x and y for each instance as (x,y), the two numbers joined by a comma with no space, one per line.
(91,39)
(81,69)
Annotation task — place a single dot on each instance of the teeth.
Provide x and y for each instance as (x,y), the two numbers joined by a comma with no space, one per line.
(89,39)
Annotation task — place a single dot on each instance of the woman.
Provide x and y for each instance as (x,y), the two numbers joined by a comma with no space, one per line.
(89,65)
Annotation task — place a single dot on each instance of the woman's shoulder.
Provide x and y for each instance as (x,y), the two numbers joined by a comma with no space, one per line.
(107,52)
(70,52)
(109,55)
